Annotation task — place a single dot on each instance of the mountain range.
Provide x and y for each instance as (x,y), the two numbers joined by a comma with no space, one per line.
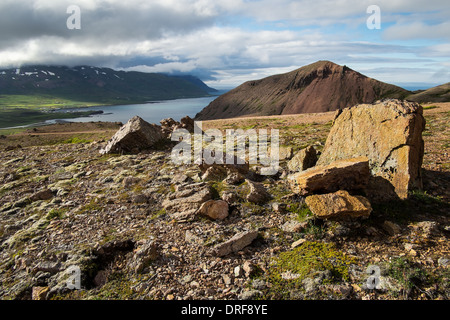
(99,85)
(318,87)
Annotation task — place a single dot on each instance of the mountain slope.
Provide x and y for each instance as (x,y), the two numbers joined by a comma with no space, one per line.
(101,85)
(436,94)
(318,87)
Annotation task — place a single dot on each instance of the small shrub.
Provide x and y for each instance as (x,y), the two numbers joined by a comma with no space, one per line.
(408,274)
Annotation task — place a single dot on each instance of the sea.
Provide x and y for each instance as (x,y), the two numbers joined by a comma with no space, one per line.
(152,112)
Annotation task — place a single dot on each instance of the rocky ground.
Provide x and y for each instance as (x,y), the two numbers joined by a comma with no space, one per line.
(64,204)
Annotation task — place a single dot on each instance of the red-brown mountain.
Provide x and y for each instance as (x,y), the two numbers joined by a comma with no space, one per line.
(318,87)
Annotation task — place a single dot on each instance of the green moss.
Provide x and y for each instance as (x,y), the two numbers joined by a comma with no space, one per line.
(430,107)
(217,187)
(56,214)
(252,209)
(278,191)
(159,213)
(304,262)
(424,197)
(92,206)
(76,140)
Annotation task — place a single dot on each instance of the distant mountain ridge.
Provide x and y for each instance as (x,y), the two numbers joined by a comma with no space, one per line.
(439,93)
(318,87)
(102,85)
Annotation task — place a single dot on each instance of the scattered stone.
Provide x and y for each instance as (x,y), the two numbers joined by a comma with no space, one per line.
(46,194)
(410,246)
(130,181)
(310,286)
(294,226)
(302,160)
(279,207)
(135,136)
(428,228)
(250,295)
(298,243)
(338,205)
(389,134)
(181,178)
(230,197)
(349,174)
(249,268)
(443,262)
(148,252)
(39,293)
(234,178)
(187,123)
(214,209)
(47,266)
(392,228)
(238,272)
(190,237)
(259,284)
(214,173)
(235,244)
(168,123)
(184,203)
(236,165)
(341,230)
(343,290)
(284,153)
(140,199)
(226,279)
(289,275)
(258,193)
(101,278)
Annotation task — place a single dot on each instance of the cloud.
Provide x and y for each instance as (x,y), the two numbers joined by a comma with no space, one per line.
(418,30)
(225,41)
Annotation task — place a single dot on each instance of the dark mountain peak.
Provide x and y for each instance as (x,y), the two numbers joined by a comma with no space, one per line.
(99,84)
(318,87)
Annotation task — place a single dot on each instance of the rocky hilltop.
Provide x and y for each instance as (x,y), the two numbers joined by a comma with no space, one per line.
(318,87)
(113,204)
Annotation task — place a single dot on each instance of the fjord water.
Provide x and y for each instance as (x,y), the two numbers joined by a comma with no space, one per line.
(152,112)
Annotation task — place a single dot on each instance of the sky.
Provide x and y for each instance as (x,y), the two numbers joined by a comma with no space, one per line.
(228,42)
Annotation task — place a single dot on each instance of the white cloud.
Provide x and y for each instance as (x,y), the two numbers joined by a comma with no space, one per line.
(418,30)
(236,40)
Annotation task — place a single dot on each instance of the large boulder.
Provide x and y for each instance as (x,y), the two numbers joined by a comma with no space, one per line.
(135,136)
(349,174)
(214,209)
(338,205)
(389,134)
(302,160)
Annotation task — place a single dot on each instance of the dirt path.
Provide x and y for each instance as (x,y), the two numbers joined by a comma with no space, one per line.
(61,133)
